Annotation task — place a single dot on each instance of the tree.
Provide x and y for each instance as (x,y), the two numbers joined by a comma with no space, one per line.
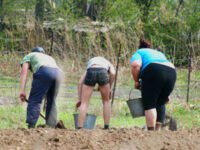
(95,9)
(39,10)
(179,5)
(1,7)
(144,6)
(1,15)
(1,4)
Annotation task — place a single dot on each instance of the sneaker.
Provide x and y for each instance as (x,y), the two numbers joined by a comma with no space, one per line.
(144,128)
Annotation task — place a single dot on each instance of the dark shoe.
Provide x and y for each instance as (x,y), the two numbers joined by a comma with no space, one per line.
(60,125)
(30,125)
(144,128)
(106,127)
(151,128)
(42,126)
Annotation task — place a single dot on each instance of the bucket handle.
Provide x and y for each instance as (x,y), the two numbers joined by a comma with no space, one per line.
(140,80)
(130,93)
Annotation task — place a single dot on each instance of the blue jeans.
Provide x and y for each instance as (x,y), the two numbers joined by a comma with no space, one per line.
(46,81)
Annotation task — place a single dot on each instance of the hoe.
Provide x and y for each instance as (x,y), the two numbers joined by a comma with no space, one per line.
(59,124)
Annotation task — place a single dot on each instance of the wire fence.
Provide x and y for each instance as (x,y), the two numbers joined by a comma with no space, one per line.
(188,77)
(187,86)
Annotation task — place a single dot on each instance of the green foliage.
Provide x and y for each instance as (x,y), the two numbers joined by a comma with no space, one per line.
(120,10)
(173,25)
(12,117)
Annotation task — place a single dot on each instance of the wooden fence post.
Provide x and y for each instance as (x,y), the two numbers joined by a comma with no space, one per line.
(117,67)
(52,40)
(189,72)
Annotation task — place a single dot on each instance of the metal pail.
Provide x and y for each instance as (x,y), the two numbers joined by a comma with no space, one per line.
(89,122)
(136,107)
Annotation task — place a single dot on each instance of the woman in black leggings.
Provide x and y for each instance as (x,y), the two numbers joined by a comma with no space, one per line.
(158,79)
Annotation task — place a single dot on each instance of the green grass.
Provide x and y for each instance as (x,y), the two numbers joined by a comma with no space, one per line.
(12,117)
(5,80)
(187,116)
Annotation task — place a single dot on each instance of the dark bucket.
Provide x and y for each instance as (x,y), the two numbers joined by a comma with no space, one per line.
(136,107)
(88,123)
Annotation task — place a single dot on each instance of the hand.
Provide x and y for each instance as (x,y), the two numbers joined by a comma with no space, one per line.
(110,94)
(22,96)
(167,101)
(98,89)
(78,104)
(137,85)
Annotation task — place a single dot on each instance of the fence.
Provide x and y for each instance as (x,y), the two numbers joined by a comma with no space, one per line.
(187,86)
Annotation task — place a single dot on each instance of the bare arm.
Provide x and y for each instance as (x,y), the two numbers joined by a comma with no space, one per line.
(23,77)
(135,71)
(112,75)
(80,86)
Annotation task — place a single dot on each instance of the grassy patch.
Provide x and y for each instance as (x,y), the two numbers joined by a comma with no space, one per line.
(13,117)
(6,80)
(187,116)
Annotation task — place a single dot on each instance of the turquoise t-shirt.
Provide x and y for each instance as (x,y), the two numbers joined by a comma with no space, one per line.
(36,60)
(147,56)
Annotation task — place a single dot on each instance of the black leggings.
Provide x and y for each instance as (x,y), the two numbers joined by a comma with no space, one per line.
(161,113)
(157,83)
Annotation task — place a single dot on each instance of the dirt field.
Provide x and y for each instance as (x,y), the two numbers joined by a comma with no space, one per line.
(98,139)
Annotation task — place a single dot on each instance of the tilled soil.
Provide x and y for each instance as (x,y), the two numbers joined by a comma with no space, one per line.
(98,139)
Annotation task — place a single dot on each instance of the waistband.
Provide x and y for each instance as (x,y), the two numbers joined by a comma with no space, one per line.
(96,69)
(168,64)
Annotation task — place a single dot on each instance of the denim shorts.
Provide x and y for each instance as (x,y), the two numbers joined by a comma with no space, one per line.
(96,75)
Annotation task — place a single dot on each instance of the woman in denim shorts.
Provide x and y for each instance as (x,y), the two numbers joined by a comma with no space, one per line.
(101,71)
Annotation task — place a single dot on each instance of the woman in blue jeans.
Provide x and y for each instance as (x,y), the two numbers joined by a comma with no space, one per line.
(158,79)
(46,81)
(102,72)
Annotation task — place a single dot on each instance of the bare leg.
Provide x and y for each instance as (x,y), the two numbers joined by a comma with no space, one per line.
(160,116)
(151,116)
(158,126)
(86,94)
(105,91)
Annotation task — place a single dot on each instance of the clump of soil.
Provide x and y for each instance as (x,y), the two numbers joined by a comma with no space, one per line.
(99,139)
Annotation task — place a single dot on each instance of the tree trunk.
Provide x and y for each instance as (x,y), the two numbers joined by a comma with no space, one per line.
(95,8)
(82,6)
(2,25)
(92,10)
(39,10)
(1,4)
(177,9)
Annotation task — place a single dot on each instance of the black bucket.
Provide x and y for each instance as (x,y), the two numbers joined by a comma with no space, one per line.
(136,107)
(89,122)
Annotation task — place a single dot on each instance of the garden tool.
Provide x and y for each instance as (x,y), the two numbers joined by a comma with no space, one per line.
(59,124)
(117,67)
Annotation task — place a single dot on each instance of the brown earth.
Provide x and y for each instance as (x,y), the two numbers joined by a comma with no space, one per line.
(98,139)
